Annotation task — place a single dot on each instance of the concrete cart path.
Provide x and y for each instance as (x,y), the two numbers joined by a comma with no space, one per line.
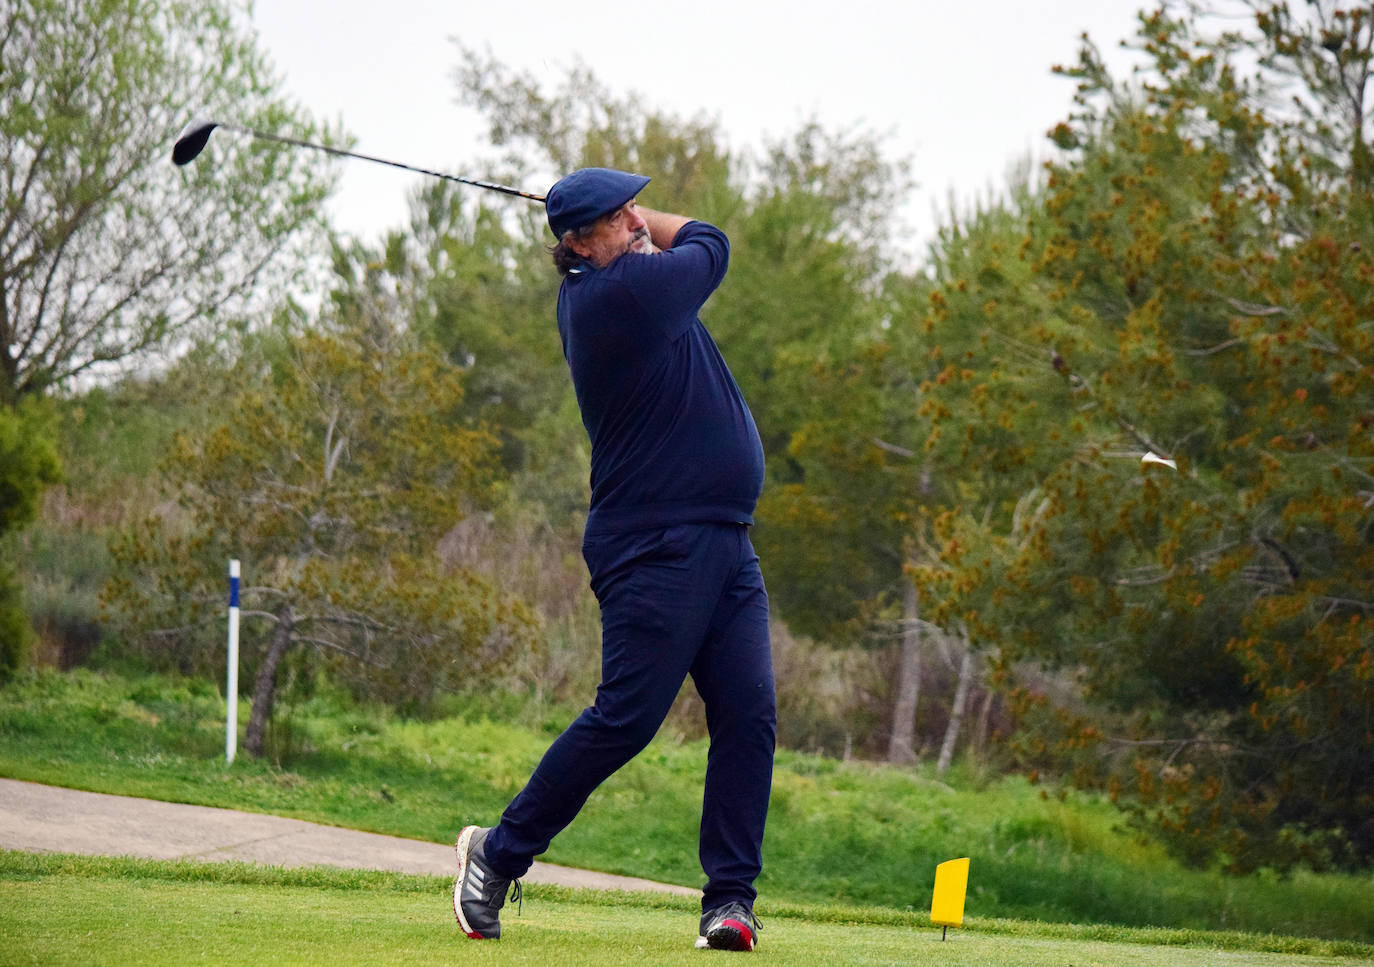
(48,819)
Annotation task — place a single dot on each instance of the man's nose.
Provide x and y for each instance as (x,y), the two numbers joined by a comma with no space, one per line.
(636,221)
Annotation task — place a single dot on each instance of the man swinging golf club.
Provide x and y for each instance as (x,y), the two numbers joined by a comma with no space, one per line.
(676,470)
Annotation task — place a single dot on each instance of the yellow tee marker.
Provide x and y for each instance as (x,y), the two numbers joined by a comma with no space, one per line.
(951,885)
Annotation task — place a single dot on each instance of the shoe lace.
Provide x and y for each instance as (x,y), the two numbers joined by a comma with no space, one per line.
(739,911)
(496,887)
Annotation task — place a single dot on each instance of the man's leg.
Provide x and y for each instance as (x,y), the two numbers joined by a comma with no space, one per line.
(657,592)
(734,675)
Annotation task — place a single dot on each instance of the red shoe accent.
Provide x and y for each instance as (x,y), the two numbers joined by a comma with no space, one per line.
(746,935)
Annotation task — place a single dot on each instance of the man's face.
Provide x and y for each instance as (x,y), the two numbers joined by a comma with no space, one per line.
(621,231)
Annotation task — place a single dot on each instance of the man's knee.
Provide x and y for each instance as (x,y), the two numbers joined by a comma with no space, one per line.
(627,725)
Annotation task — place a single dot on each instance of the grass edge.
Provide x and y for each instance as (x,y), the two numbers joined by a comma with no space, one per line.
(17,865)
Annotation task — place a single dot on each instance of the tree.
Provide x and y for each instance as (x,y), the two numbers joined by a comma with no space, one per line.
(107,252)
(28,464)
(1202,255)
(476,281)
(837,517)
(344,465)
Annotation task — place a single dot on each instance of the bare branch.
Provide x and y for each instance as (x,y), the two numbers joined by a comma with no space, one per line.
(893,448)
(1255,309)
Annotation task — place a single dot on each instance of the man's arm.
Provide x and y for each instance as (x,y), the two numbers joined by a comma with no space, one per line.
(663,228)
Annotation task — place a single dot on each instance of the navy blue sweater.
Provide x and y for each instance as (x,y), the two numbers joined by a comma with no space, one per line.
(673,441)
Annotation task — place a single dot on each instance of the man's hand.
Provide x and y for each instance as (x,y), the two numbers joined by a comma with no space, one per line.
(663,228)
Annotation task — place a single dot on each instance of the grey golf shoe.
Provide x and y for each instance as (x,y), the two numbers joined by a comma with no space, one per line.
(731,926)
(479,893)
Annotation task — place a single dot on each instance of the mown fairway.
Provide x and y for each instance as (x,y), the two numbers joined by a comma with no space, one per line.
(63,910)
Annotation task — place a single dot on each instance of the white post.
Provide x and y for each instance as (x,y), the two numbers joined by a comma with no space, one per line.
(231,688)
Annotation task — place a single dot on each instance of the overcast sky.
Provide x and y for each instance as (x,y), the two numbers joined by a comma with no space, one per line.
(964,88)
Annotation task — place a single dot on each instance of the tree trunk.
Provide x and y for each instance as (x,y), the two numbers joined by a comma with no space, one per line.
(956,712)
(265,689)
(980,734)
(902,749)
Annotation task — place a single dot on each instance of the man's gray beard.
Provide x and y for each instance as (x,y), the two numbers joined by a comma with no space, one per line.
(644,234)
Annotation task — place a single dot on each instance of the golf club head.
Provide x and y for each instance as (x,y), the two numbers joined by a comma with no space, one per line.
(192,140)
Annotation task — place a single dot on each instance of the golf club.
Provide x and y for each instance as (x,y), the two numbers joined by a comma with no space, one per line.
(193,138)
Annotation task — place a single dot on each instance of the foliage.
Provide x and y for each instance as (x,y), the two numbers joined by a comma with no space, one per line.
(342,465)
(111,439)
(108,253)
(476,282)
(549,133)
(28,464)
(16,634)
(1196,285)
(806,316)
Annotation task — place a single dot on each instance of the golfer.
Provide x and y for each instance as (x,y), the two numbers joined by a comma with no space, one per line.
(676,469)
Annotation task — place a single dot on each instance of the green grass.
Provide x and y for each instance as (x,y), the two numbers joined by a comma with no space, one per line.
(839,833)
(65,910)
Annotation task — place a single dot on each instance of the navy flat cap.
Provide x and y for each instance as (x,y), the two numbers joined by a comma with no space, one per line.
(585,195)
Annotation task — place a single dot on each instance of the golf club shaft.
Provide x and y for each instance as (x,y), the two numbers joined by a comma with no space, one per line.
(490,186)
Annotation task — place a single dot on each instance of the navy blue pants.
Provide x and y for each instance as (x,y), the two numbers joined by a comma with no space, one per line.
(683,600)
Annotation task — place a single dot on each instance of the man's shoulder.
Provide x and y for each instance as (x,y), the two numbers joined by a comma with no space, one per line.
(638,283)
(696,227)
(604,287)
